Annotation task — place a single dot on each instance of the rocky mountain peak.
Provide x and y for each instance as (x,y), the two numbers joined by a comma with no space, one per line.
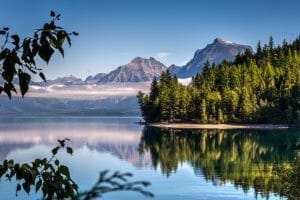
(137,60)
(215,52)
(140,60)
(138,70)
(221,41)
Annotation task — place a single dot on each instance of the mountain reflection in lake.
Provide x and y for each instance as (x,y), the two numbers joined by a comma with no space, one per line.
(204,164)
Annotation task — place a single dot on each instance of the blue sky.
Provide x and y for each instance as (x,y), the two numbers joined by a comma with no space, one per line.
(112,32)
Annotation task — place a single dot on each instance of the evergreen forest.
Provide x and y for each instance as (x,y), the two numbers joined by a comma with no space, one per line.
(260,87)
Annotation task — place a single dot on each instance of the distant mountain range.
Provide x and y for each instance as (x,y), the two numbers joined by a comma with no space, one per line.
(94,79)
(145,69)
(68,80)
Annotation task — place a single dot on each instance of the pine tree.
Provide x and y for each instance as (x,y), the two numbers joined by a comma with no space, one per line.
(203,113)
(259,52)
(271,44)
(154,90)
(245,105)
(220,116)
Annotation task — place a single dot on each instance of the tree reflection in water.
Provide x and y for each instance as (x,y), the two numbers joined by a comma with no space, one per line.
(266,161)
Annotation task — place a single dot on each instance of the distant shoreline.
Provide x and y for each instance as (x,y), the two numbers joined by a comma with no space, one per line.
(220,126)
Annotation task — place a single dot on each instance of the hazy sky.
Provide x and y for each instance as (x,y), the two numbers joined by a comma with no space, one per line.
(114,32)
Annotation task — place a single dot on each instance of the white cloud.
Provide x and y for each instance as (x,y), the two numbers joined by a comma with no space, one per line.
(162,55)
(89,92)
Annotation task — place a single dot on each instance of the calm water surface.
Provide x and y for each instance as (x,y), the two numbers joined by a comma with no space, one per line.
(179,164)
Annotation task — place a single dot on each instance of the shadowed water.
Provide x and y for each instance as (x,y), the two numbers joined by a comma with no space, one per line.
(205,164)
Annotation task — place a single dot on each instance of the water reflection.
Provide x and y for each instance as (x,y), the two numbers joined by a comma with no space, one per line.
(117,136)
(194,164)
(244,158)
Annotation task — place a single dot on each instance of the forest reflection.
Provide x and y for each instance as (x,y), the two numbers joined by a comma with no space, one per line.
(267,161)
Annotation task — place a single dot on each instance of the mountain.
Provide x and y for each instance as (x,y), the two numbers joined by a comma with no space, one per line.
(94,79)
(145,69)
(216,52)
(138,70)
(173,69)
(68,80)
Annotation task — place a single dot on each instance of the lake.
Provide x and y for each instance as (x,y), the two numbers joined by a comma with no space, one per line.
(180,164)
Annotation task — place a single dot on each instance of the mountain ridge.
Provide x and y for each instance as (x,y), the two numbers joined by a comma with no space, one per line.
(215,52)
(138,70)
(145,69)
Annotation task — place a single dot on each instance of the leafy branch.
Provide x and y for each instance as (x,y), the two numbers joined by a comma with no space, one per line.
(47,175)
(18,57)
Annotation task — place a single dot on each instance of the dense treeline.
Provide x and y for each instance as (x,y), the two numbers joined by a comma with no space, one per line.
(261,87)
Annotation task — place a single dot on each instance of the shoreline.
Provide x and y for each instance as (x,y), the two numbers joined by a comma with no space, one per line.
(219,126)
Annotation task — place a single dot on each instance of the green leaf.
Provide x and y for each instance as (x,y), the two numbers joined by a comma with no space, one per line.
(18,188)
(8,75)
(64,170)
(46,27)
(42,76)
(24,80)
(45,52)
(34,172)
(4,53)
(38,185)
(26,187)
(2,32)
(61,50)
(68,40)
(16,39)
(25,166)
(1,89)
(12,87)
(56,162)
(61,143)
(52,25)
(6,89)
(61,36)
(26,48)
(52,14)
(69,150)
(54,150)
(10,163)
